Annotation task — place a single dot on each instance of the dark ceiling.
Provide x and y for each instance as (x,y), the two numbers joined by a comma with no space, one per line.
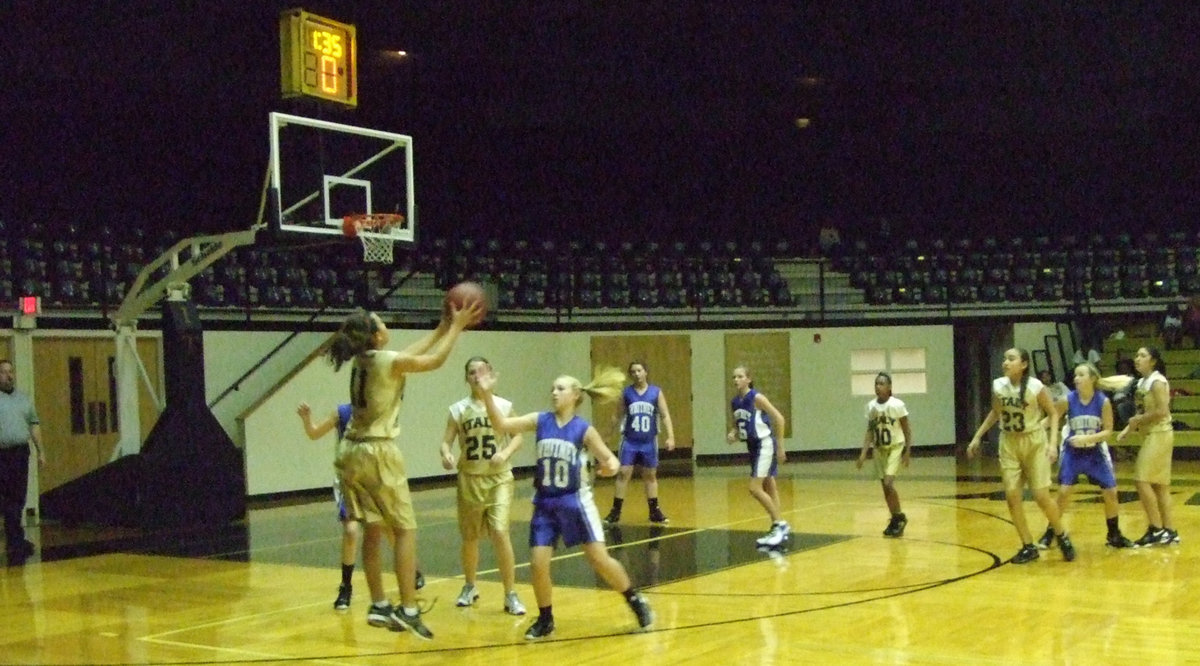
(643,118)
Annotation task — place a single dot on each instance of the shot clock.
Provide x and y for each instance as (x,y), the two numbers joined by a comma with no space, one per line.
(318,57)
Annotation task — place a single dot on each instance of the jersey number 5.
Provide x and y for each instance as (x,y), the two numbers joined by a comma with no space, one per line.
(481,448)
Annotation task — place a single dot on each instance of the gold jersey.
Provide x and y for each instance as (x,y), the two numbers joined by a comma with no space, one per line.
(1018,413)
(1146,402)
(376,394)
(477,438)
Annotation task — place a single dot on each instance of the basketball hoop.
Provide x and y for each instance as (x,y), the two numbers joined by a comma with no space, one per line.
(375,232)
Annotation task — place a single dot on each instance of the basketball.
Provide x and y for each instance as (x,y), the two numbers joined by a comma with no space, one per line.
(464,293)
(349,227)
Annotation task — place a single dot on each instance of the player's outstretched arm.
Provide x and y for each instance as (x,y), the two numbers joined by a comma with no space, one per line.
(502,422)
(315,430)
(435,356)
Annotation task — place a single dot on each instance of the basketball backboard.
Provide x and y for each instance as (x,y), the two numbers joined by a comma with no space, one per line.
(321,172)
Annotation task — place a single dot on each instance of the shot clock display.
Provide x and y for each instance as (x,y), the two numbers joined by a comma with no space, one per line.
(318,58)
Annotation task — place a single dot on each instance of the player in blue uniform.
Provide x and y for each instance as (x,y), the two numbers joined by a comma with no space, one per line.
(351,529)
(643,405)
(754,419)
(563,506)
(1089,416)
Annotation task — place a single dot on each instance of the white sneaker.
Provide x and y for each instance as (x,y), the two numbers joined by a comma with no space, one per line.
(513,605)
(772,538)
(779,533)
(468,596)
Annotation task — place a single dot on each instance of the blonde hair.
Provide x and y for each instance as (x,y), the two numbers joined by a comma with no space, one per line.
(1091,370)
(606,385)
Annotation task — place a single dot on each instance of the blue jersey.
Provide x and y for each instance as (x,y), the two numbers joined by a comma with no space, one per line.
(752,424)
(641,414)
(343,412)
(561,457)
(1085,419)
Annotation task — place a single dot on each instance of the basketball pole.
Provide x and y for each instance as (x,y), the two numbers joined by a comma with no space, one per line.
(185,259)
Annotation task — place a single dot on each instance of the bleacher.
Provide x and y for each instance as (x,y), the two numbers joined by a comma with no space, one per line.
(77,269)
(990,270)
(1183,374)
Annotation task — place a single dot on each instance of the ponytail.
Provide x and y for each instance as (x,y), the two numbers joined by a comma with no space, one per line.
(352,339)
(1024,354)
(606,385)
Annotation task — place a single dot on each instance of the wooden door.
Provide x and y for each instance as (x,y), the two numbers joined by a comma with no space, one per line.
(668,360)
(76,402)
(768,355)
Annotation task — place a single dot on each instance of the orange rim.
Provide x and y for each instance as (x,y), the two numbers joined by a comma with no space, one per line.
(374,221)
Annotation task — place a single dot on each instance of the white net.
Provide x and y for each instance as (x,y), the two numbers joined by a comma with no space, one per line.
(375,233)
(376,250)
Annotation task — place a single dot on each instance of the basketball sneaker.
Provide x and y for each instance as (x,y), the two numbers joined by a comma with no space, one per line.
(901,523)
(412,623)
(1047,539)
(1168,537)
(420,580)
(612,518)
(1118,540)
(1152,536)
(343,598)
(381,616)
(1067,548)
(1028,553)
(890,530)
(778,534)
(513,605)
(468,596)
(656,516)
(641,608)
(541,627)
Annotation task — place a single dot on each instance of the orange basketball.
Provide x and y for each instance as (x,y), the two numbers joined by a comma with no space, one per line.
(464,293)
(349,227)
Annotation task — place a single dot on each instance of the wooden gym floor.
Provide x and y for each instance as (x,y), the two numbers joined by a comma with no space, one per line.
(262,592)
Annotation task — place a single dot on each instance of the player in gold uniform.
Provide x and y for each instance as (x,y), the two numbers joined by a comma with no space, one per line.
(371,467)
(1019,402)
(485,485)
(1153,472)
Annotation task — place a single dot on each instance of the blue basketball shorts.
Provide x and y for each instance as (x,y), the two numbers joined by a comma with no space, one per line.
(1094,462)
(639,453)
(573,518)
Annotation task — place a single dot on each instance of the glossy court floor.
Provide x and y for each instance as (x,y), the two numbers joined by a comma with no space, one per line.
(262,591)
